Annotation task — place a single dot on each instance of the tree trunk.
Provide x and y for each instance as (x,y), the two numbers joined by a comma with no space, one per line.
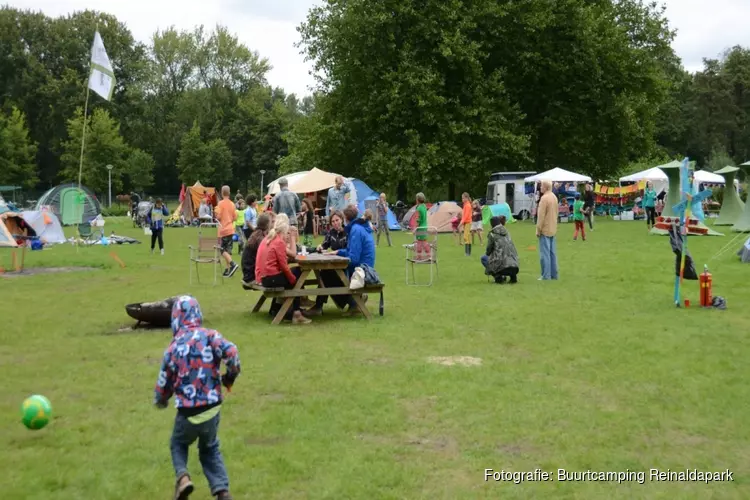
(452,191)
(401,191)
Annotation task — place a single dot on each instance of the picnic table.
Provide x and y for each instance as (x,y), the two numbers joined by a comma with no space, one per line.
(315,263)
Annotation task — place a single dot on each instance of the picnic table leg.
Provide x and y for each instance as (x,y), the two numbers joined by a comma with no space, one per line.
(357,298)
(260,303)
(288,301)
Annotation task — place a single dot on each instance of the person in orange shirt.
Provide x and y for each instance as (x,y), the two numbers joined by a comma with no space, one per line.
(226,215)
(466,221)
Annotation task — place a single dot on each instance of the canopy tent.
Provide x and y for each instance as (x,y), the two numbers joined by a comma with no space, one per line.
(71,204)
(704,176)
(313,181)
(364,194)
(45,224)
(558,175)
(273,187)
(193,196)
(652,174)
(490,211)
(440,214)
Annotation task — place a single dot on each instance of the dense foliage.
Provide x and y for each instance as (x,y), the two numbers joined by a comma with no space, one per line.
(423,94)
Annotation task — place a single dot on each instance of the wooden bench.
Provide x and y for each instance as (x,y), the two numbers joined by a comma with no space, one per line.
(277,293)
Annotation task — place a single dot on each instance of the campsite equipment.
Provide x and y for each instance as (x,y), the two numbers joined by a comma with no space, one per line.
(416,257)
(144,208)
(35,412)
(508,188)
(706,282)
(46,225)
(206,252)
(157,314)
(71,204)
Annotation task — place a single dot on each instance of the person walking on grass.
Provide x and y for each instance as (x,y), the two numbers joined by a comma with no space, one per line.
(382,207)
(308,224)
(226,215)
(588,206)
(190,370)
(466,221)
(546,230)
(578,218)
(476,221)
(155,221)
(239,225)
(649,205)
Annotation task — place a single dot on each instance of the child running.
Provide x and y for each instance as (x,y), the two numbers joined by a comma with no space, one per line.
(190,370)
(578,217)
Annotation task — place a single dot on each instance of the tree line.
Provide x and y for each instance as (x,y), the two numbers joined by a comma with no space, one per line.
(412,95)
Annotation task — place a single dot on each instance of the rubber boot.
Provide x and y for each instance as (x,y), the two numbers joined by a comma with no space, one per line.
(468,251)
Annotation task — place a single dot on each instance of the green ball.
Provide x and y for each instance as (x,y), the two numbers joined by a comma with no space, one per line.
(36,412)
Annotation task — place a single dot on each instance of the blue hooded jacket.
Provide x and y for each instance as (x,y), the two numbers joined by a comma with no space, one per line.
(360,248)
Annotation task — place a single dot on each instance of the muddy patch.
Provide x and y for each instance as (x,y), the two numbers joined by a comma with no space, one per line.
(455,360)
(515,449)
(33,271)
(438,444)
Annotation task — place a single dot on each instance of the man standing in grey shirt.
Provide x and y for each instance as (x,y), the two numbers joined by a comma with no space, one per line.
(336,196)
(287,202)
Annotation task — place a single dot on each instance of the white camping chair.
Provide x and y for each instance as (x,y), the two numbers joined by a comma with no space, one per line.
(207,252)
(428,256)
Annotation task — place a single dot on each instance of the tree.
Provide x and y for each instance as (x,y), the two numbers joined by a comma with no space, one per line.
(103,146)
(210,163)
(139,170)
(17,151)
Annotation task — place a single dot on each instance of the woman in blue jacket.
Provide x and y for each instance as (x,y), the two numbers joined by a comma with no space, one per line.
(155,221)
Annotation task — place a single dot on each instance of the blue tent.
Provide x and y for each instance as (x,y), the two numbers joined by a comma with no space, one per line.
(366,193)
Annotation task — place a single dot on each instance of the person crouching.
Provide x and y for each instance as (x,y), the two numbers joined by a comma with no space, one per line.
(501,258)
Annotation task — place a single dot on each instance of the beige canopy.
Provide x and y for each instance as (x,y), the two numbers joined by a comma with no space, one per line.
(315,180)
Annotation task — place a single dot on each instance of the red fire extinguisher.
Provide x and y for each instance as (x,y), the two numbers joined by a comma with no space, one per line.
(705,282)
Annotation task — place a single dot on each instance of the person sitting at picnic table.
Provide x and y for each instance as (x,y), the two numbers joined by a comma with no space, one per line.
(334,241)
(501,258)
(272,268)
(250,253)
(360,249)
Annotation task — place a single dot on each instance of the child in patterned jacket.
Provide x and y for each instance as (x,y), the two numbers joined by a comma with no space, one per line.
(190,371)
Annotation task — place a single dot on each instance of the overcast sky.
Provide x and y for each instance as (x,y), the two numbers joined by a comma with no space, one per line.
(705,27)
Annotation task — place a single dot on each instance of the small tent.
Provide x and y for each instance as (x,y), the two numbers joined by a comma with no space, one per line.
(490,211)
(193,196)
(13,225)
(440,214)
(71,204)
(46,225)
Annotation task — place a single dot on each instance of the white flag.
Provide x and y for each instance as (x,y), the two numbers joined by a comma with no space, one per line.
(102,79)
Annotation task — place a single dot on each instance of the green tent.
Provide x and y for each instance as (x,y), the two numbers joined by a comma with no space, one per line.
(71,204)
(731,205)
(489,211)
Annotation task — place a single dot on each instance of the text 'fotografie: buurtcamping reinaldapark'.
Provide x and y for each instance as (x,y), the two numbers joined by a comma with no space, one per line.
(652,475)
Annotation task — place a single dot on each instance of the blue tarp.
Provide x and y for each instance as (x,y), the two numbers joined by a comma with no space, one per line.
(366,193)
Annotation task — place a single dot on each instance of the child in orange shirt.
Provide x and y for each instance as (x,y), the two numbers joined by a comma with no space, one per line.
(466,221)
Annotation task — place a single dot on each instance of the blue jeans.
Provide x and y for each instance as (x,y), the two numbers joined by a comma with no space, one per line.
(548,256)
(484,260)
(184,435)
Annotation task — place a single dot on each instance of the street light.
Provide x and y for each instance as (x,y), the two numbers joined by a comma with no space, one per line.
(109,169)
(262,173)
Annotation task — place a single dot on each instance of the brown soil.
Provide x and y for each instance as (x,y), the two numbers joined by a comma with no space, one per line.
(33,271)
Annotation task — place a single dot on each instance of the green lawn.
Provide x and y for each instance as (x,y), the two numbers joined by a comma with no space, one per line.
(596,371)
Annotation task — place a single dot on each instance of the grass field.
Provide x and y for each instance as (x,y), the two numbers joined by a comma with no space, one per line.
(597,371)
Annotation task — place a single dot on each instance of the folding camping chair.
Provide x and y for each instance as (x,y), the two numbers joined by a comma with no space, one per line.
(87,235)
(413,257)
(207,252)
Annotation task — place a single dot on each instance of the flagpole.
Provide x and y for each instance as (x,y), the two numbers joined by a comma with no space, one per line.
(83,135)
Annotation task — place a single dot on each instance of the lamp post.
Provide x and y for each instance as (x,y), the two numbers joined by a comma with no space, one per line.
(109,169)
(262,173)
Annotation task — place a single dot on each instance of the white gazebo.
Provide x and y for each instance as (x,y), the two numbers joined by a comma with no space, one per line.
(558,175)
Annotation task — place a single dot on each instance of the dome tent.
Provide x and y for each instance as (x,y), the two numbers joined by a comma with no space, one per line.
(71,204)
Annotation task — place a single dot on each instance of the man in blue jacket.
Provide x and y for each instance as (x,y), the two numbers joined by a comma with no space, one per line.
(360,247)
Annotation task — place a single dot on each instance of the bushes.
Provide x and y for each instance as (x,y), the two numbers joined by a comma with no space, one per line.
(114,211)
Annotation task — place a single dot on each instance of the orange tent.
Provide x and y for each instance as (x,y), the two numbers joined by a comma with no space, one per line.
(193,197)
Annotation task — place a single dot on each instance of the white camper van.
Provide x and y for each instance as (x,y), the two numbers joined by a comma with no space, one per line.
(508,187)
